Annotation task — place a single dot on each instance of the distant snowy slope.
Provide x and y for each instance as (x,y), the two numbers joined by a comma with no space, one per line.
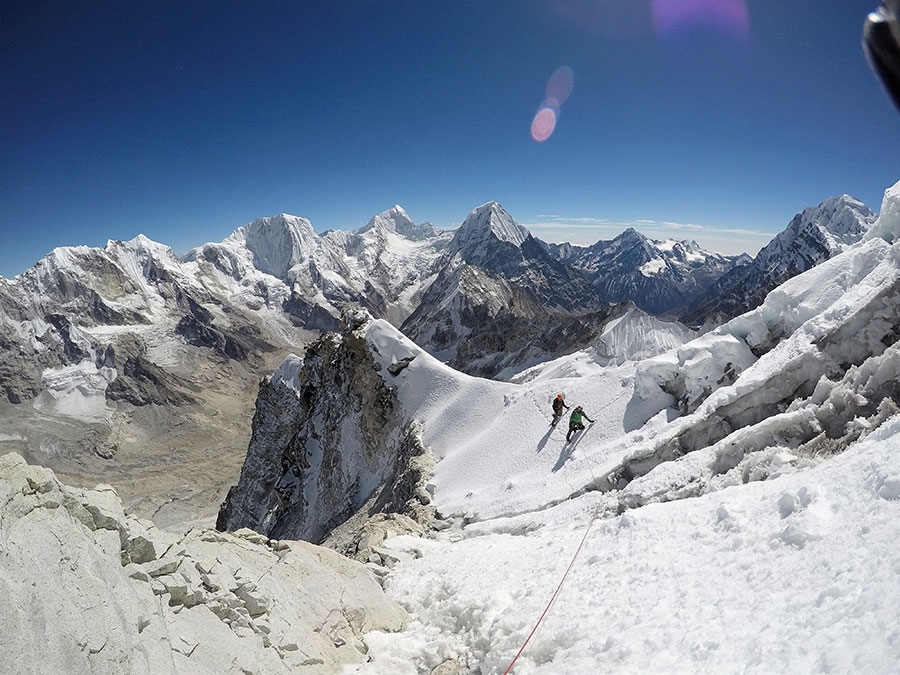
(394,260)
(383,266)
(279,245)
(633,335)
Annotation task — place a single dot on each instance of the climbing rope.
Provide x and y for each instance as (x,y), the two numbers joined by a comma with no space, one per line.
(574,557)
(555,593)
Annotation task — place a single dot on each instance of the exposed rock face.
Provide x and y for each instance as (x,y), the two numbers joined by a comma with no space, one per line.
(329,439)
(85,588)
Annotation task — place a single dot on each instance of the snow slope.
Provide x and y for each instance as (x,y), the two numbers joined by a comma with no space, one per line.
(784,560)
(796,574)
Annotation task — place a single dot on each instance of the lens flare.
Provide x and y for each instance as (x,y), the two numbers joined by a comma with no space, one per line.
(543,124)
(558,89)
(560,85)
(674,17)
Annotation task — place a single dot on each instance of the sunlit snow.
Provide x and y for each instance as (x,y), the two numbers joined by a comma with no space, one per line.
(781,561)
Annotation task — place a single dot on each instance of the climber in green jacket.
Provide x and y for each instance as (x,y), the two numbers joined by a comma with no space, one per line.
(575,421)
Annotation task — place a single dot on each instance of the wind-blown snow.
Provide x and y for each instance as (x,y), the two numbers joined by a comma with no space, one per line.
(783,561)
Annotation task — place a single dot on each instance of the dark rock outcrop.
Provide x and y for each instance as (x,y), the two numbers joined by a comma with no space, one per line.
(329,439)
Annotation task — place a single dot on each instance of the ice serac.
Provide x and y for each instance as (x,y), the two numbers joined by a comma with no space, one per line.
(330,439)
(813,235)
(86,588)
(887,226)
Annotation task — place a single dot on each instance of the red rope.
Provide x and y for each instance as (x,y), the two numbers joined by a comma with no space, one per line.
(555,593)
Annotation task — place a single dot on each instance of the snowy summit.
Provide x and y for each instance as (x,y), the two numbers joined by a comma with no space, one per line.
(488,223)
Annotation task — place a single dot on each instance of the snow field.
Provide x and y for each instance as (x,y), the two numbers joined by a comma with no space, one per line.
(499,455)
(796,574)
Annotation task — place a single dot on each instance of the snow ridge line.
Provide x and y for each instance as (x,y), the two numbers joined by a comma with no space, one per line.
(555,593)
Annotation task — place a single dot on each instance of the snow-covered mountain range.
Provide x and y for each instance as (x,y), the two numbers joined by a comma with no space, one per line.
(659,277)
(735,497)
(156,350)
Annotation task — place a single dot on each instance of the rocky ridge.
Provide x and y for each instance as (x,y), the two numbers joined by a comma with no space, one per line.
(330,442)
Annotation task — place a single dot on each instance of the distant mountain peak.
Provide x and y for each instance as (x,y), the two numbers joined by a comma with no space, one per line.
(831,226)
(631,233)
(395,219)
(490,221)
(815,234)
(277,242)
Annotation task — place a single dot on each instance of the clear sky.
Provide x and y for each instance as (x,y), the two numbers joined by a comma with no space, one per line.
(715,120)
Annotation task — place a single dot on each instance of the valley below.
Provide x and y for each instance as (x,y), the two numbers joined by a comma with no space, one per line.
(169,464)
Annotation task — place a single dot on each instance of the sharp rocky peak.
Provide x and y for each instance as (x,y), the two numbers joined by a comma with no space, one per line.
(630,234)
(490,220)
(629,240)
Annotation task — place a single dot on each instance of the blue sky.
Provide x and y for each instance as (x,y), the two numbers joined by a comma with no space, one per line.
(716,120)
